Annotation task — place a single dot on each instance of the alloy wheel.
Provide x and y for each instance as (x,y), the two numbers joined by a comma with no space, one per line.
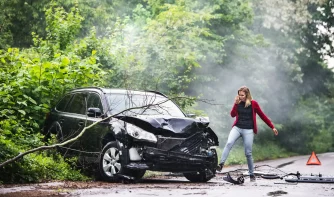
(111,162)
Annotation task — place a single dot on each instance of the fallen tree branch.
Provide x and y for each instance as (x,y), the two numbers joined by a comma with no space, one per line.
(54,145)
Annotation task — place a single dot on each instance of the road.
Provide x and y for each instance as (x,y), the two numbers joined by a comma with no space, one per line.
(178,186)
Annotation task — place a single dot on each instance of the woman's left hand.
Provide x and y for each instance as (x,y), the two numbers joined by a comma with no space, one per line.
(275,131)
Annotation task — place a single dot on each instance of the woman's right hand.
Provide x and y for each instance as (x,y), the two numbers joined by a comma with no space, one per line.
(237,100)
(275,131)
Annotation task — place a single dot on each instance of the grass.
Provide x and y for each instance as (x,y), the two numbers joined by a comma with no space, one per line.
(260,153)
(151,174)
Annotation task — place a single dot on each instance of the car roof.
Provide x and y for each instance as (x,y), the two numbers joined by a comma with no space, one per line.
(118,91)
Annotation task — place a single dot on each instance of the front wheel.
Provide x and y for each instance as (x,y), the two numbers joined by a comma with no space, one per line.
(110,164)
(198,177)
(204,176)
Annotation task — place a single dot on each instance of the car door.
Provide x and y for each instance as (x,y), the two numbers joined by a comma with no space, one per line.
(72,120)
(56,119)
(91,140)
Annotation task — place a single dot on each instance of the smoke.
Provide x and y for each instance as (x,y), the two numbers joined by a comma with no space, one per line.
(268,85)
(269,78)
(268,68)
(272,71)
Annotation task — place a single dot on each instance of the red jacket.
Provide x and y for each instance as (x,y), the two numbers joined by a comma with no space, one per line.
(256,110)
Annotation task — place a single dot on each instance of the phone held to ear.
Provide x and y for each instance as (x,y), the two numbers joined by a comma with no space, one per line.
(237,99)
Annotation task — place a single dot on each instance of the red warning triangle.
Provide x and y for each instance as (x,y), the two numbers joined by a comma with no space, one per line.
(313,160)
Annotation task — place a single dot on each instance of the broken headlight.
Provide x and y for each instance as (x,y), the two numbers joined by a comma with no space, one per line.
(140,134)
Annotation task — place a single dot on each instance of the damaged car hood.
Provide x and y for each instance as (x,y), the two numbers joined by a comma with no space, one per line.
(177,125)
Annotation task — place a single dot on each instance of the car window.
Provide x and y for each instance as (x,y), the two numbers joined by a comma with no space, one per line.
(94,100)
(61,106)
(154,105)
(78,104)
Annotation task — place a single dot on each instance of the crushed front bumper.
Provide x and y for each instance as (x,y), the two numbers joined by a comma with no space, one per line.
(162,160)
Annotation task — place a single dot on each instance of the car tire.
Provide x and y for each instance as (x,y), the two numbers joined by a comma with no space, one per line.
(197,177)
(201,177)
(110,165)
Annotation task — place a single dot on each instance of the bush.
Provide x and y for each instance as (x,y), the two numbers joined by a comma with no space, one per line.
(37,167)
(31,80)
(260,152)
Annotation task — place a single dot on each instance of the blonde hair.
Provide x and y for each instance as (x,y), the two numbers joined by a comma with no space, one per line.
(248,95)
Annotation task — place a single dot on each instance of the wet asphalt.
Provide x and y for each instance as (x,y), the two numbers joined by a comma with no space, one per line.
(176,185)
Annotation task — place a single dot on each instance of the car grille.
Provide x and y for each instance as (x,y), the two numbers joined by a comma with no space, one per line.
(166,143)
(190,145)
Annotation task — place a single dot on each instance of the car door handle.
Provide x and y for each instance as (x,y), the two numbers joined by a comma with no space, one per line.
(81,123)
(61,121)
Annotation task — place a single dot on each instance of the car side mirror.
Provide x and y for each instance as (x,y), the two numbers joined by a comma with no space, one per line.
(94,112)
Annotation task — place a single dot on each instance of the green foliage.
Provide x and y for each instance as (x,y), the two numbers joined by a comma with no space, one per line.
(270,150)
(325,31)
(152,174)
(164,49)
(31,81)
(264,151)
(311,127)
(18,19)
(307,126)
(35,167)
(62,27)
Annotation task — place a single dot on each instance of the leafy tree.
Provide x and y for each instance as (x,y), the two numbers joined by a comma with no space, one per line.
(307,77)
(325,30)
(31,81)
(17,14)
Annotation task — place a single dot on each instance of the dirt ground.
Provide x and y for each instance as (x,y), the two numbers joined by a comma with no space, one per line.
(169,186)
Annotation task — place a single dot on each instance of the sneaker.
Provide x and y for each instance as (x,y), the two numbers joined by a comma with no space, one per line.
(252,178)
(220,167)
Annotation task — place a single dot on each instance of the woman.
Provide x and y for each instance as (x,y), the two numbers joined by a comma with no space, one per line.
(245,110)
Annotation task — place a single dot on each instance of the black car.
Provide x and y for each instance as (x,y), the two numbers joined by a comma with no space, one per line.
(138,131)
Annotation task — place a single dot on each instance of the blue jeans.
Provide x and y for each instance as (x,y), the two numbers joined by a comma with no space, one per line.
(247,136)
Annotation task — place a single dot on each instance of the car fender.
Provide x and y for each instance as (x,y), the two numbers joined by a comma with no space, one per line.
(118,129)
(213,135)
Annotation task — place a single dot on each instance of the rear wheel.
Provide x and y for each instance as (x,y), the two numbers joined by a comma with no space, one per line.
(110,165)
(203,176)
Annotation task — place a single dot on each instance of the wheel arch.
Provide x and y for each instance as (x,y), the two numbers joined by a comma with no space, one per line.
(109,137)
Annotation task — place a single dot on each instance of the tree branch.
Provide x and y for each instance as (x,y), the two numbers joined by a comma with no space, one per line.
(79,135)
